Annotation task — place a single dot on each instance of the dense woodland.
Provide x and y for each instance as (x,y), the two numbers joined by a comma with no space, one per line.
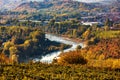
(25,43)
(75,29)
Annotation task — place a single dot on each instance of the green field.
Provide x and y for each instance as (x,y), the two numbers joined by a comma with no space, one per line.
(107,34)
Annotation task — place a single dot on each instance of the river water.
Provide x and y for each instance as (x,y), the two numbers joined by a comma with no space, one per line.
(49,57)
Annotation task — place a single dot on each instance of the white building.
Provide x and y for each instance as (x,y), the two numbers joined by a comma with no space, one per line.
(90,23)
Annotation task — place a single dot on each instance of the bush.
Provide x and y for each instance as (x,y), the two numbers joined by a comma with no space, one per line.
(72,57)
(78,47)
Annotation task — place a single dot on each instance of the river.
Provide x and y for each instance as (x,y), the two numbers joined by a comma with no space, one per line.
(49,57)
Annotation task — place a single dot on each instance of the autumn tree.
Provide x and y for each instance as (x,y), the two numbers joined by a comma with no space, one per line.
(74,33)
(86,34)
(6,47)
(13,54)
(72,57)
(38,35)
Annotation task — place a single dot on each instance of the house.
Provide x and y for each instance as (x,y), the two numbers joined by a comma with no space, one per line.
(91,23)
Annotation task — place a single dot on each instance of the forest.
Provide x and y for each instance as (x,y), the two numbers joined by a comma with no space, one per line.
(25,42)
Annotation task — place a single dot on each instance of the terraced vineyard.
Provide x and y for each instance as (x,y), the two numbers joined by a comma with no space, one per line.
(39,71)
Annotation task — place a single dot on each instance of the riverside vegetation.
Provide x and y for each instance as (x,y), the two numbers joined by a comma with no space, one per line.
(100,60)
(22,43)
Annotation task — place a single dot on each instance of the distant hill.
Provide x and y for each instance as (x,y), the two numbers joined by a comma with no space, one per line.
(61,6)
(109,2)
(54,6)
(64,8)
(33,6)
(12,4)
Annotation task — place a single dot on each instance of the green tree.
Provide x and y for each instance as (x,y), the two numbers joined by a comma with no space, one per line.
(74,33)
(108,22)
(86,34)
(38,35)
(52,22)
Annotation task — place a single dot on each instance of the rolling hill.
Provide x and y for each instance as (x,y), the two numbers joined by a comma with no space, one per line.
(12,4)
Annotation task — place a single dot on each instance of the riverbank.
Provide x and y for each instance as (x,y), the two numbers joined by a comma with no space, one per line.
(49,57)
(77,40)
(54,47)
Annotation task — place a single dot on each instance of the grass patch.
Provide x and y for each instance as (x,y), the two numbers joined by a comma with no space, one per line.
(107,34)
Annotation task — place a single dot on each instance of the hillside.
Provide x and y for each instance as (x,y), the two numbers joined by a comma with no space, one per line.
(52,6)
(61,7)
(12,4)
(9,4)
(40,71)
(34,10)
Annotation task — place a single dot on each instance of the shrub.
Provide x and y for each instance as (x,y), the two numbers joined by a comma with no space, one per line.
(72,57)
(4,58)
(78,47)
